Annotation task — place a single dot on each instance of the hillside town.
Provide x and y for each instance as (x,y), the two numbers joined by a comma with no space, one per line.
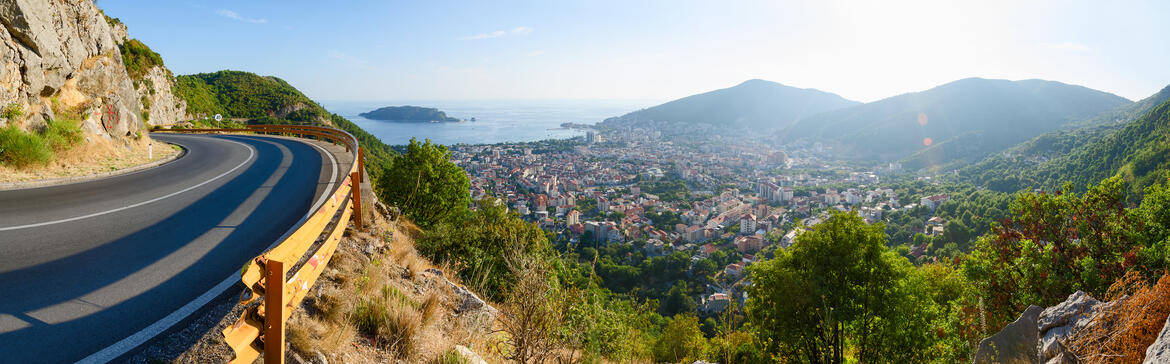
(698,196)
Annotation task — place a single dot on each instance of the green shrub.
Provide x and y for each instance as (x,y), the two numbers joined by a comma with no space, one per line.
(12,111)
(21,149)
(138,58)
(62,134)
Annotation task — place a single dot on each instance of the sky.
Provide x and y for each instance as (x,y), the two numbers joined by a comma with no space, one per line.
(655,50)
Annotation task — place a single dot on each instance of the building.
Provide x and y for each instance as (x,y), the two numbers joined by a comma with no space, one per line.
(747,224)
(933,202)
(734,269)
(574,217)
(593,137)
(749,244)
(714,303)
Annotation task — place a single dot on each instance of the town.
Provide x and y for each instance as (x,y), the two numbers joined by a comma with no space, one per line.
(703,197)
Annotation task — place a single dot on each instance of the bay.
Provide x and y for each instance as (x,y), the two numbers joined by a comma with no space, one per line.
(497,121)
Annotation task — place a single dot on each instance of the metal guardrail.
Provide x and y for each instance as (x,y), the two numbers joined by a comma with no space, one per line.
(297,261)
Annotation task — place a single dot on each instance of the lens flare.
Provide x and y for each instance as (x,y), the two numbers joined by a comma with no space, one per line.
(927,141)
(922,119)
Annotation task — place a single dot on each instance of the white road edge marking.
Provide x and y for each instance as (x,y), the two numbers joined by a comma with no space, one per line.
(133,341)
(328,189)
(251,156)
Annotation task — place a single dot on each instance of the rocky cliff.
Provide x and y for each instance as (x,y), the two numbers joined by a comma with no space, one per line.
(64,57)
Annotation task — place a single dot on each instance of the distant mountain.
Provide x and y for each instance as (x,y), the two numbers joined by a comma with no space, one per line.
(1130,140)
(954,124)
(754,103)
(408,114)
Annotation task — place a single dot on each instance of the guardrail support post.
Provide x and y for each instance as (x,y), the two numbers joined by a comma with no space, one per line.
(356,192)
(274,312)
(361,163)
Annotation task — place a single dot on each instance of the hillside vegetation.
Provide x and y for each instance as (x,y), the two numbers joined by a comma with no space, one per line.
(964,120)
(270,100)
(754,103)
(1133,145)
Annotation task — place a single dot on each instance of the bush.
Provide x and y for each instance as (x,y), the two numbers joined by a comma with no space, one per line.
(391,319)
(62,135)
(12,111)
(21,149)
(426,185)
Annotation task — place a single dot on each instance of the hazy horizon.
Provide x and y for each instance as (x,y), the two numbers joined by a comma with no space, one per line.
(655,50)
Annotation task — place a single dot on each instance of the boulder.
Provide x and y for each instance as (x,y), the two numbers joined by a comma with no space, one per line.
(1057,322)
(1078,305)
(1159,351)
(469,356)
(1016,343)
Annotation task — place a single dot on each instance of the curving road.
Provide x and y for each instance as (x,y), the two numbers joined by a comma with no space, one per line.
(86,268)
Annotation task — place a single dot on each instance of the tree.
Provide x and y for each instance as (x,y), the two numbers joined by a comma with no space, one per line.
(480,246)
(535,310)
(426,185)
(677,301)
(838,290)
(1053,245)
(681,341)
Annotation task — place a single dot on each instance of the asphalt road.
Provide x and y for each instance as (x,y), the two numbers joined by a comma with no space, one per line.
(83,266)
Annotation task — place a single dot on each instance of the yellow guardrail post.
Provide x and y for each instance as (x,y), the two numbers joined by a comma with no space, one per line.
(361,163)
(274,312)
(356,192)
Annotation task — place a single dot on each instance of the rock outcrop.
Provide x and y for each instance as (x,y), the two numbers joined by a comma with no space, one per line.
(1016,343)
(1056,323)
(1159,351)
(162,106)
(1041,335)
(64,57)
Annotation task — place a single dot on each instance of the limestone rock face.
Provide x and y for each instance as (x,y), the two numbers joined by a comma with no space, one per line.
(162,106)
(64,55)
(1016,343)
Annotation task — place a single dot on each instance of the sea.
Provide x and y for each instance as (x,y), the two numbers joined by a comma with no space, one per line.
(496,121)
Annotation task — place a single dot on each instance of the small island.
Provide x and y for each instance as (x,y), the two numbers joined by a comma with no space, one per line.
(408,114)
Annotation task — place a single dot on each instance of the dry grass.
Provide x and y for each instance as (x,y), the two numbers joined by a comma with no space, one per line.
(1122,332)
(383,307)
(97,155)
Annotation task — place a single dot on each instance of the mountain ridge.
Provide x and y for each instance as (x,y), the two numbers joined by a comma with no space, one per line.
(964,120)
(753,103)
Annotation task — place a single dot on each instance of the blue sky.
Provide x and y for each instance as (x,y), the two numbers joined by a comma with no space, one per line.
(655,50)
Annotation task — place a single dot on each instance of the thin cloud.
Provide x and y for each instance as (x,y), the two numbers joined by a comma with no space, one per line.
(535,53)
(500,33)
(351,60)
(236,16)
(1067,46)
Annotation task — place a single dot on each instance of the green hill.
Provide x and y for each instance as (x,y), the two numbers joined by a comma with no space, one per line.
(270,100)
(1139,151)
(1037,162)
(753,103)
(964,120)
